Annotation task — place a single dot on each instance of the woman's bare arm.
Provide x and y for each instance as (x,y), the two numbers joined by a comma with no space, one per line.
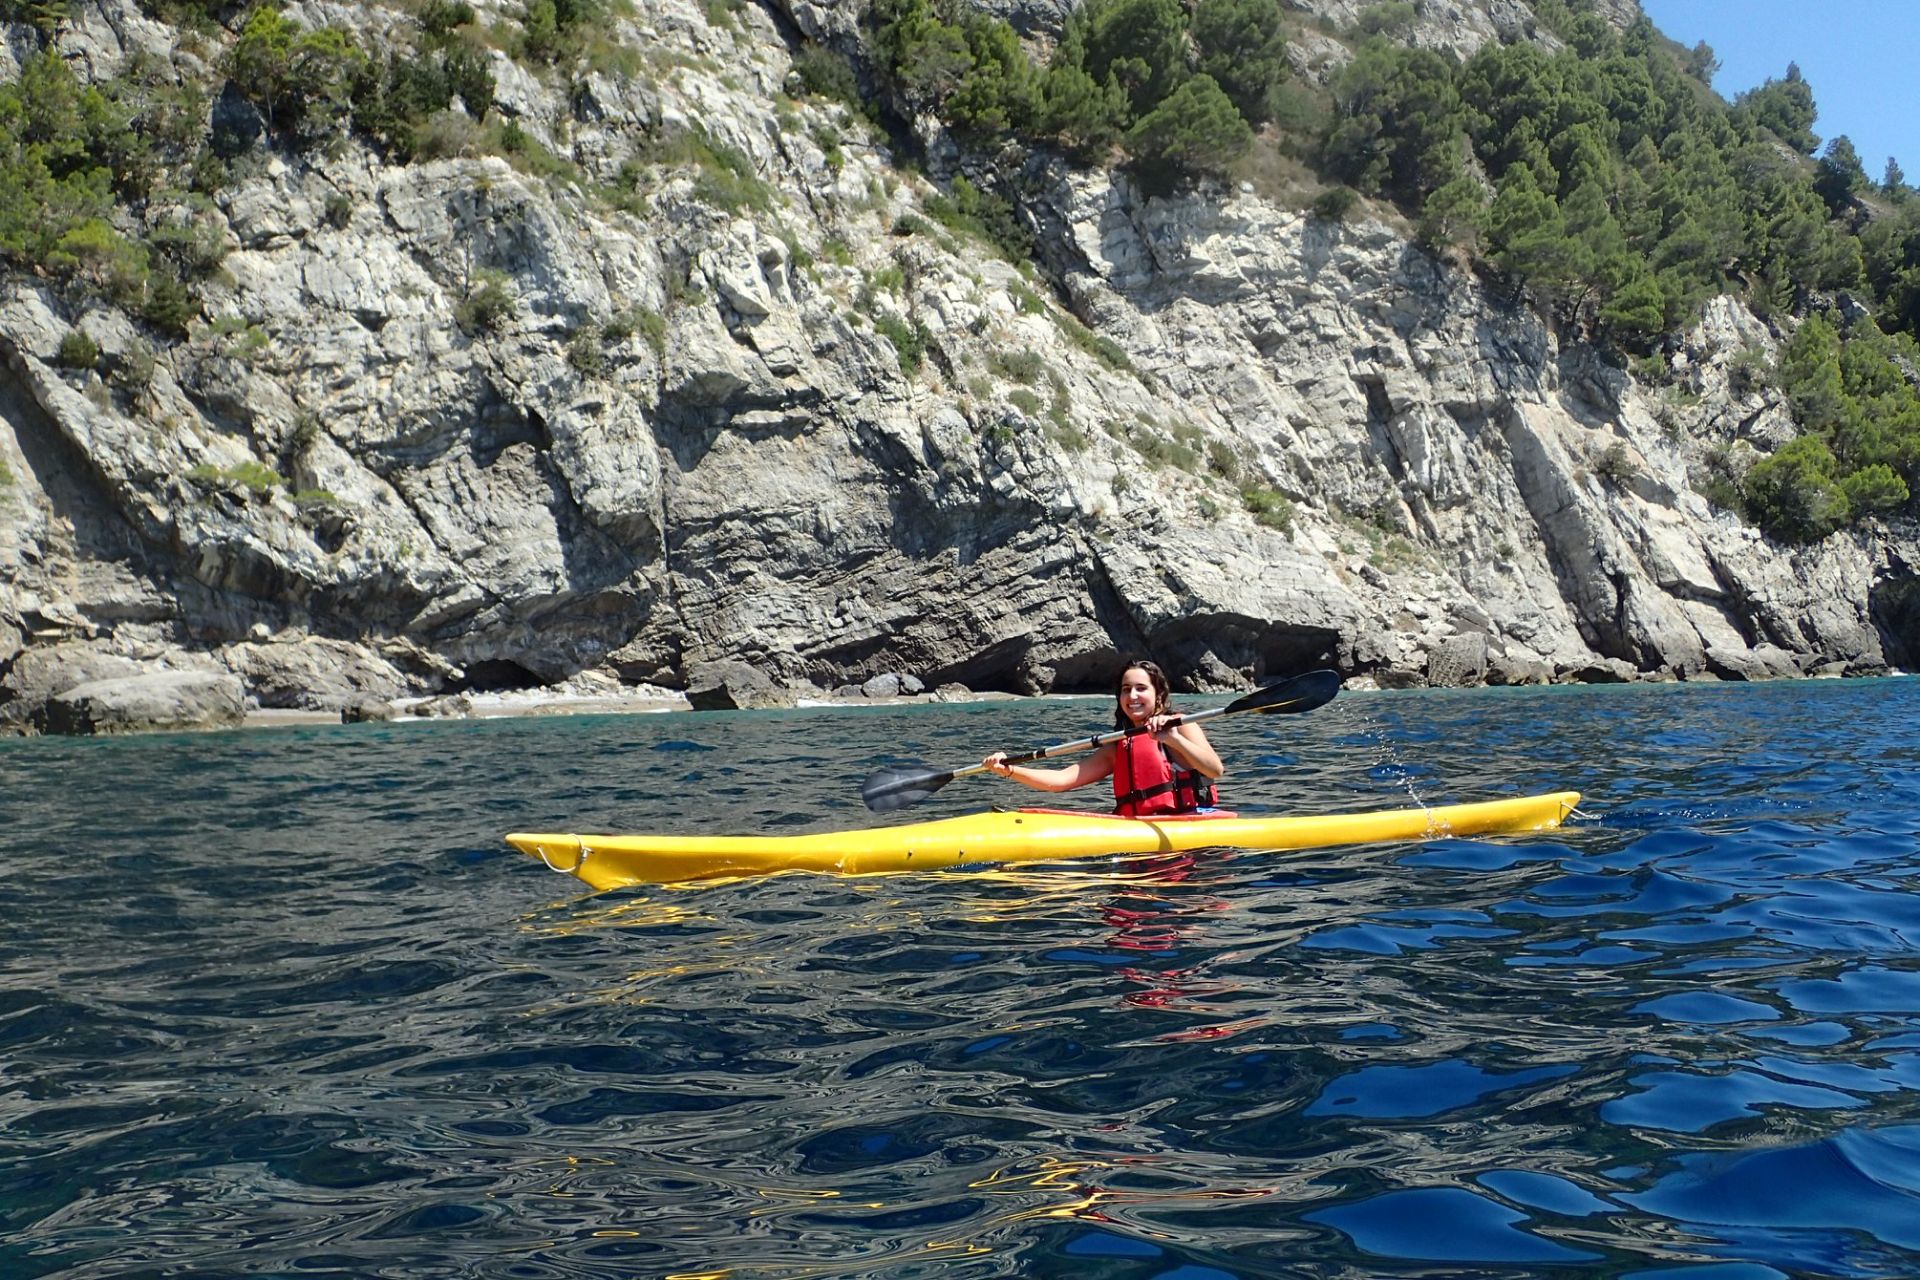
(1079,774)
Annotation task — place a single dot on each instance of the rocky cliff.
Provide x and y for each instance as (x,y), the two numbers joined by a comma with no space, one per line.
(451,425)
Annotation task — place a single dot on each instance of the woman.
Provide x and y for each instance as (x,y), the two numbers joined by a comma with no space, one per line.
(1160,770)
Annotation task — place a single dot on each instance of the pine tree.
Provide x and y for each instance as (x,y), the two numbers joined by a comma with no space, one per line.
(1140,43)
(1703,64)
(44,16)
(1196,130)
(1634,179)
(1085,118)
(1839,177)
(1793,495)
(1398,113)
(1529,235)
(1786,108)
(1637,309)
(261,60)
(1243,46)
(1600,258)
(1456,212)
(998,93)
(1810,373)
(1875,489)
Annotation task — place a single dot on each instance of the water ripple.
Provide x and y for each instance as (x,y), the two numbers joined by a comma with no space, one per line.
(279,1003)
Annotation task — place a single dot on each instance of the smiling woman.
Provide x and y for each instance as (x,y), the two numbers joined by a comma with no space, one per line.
(1161,763)
(898,787)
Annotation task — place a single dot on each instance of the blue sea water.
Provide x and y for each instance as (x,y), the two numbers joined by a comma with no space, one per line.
(281,1003)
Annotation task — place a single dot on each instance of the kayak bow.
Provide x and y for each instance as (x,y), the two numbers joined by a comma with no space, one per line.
(1018,835)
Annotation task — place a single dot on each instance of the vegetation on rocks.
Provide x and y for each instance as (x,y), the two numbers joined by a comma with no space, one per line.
(501,342)
(1594,176)
(256,477)
(1855,398)
(1601,180)
(1267,507)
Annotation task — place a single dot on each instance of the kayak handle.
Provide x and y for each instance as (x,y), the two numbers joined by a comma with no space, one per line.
(579,860)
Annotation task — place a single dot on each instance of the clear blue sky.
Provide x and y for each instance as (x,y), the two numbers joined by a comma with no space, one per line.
(1862,58)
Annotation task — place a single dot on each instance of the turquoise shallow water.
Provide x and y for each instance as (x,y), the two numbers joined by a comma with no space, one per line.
(280,1003)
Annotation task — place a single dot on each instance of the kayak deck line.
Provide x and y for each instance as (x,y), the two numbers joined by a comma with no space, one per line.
(1017,835)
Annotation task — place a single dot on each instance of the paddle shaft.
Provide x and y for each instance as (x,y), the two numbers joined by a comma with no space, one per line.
(1094,743)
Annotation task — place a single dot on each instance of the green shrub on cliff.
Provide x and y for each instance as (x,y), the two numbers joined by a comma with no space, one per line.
(585,350)
(652,326)
(397,101)
(1860,455)
(966,209)
(1022,365)
(824,74)
(77,351)
(552,30)
(255,477)
(909,339)
(42,15)
(488,305)
(1793,494)
(727,177)
(1268,507)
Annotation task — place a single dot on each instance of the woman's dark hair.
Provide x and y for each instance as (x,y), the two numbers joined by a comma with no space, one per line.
(1162,696)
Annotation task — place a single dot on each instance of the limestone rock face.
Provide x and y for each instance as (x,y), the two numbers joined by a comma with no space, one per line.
(37,674)
(361,709)
(157,700)
(314,674)
(733,686)
(793,423)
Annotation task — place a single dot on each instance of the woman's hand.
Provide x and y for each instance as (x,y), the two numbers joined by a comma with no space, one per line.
(997,763)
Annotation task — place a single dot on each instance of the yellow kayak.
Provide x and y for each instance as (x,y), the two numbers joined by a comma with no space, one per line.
(1015,835)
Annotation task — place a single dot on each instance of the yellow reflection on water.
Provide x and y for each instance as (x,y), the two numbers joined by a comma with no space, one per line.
(785,1195)
(1079,1180)
(627,913)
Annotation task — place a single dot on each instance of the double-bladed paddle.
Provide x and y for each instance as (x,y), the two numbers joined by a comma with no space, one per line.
(899,786)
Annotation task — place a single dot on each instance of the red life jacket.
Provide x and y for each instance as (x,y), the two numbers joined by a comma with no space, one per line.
(1146,780)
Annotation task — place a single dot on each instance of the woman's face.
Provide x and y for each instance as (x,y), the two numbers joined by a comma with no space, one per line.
(1138,698)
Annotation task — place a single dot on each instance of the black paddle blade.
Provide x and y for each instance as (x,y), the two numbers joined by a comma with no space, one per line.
(1302,693)
(901,786)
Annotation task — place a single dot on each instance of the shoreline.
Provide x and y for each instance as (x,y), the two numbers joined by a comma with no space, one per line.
(653,700)
(525,704)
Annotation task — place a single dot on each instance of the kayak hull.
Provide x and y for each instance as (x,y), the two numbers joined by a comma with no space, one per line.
(1018,835)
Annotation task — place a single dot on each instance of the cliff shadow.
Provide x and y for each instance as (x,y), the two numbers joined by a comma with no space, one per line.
(79,500)
(688,428)
(1894,606)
